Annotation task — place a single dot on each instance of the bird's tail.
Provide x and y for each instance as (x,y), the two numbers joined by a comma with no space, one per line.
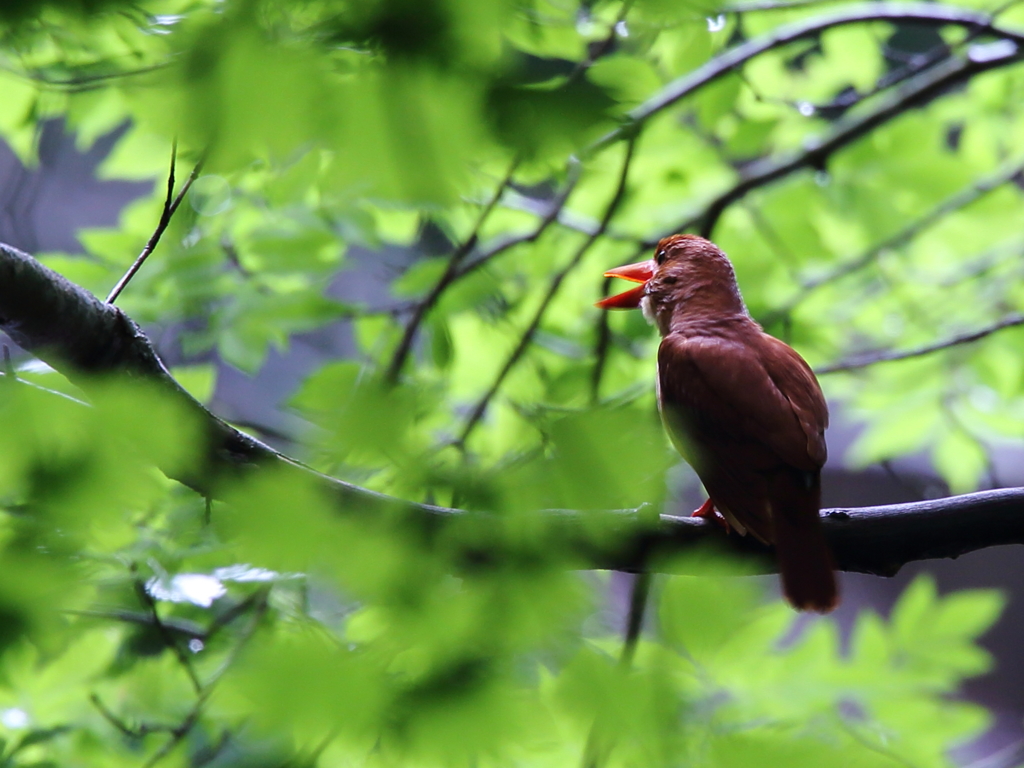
(805,562)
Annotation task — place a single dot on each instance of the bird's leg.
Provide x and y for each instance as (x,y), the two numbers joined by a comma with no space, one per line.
(707,509)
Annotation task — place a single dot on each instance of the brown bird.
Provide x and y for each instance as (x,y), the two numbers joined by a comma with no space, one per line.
(741,407)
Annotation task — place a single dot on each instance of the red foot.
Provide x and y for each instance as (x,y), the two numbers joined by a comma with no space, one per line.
(707,509)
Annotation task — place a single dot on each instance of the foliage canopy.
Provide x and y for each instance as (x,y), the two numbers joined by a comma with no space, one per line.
(861,164)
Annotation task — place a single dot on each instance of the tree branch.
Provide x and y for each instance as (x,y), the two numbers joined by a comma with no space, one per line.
(921,13)
(951,204)
(171,204)
(447,278)
(83,338)
(556,282)
(888,356)
(817,152)
(505,242)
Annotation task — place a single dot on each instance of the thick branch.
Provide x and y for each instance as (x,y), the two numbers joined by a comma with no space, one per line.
(82,337)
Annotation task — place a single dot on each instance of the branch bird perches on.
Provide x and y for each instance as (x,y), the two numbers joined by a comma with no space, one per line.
(80,336)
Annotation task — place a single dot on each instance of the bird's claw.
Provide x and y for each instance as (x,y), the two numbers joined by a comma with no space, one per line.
(707,509)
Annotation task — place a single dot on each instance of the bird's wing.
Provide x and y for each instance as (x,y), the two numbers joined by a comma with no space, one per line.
(795,380)
(752,391)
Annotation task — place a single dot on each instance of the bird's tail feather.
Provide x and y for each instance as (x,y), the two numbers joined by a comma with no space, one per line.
(805,562)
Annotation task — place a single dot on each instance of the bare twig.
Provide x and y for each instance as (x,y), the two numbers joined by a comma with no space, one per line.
(527,336)
(171,204)
(602,345)
(565,218)
(638,594)
(888,356)
(915,64)
(179,732)
(450,273)
(771,5)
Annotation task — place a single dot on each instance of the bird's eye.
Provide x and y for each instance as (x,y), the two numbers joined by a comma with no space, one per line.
(659,257)
(668,280)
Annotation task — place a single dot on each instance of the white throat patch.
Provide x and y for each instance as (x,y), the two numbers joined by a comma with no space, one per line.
(645,307)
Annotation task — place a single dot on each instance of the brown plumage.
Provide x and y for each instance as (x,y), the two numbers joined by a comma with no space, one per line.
(741,407)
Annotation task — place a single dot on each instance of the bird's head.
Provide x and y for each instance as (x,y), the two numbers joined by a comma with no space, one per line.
(688,275)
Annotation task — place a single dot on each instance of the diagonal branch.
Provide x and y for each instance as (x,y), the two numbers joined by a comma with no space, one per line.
(82,337)
(888,356)
(951,204)
(447,278)
(171,204)
(552,213)
(817,152)
(556,282)
(921,13)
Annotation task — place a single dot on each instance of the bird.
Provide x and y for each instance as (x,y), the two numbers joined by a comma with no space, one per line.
(742,408)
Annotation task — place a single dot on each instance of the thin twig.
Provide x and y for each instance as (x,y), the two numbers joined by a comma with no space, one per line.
(170,206)
(179,732)
(450,273)
(9,365)
(182,729)
(565,218)
(556,282)
(635,620)
(638,594)
(136,732)
(190,629)
(915,64)
(950,412)
(951,204)
(164,631)
(888,356)
(505,242)
(771,5)
(602,345)
(81,83)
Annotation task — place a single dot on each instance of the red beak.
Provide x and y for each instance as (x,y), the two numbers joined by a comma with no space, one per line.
(640,272)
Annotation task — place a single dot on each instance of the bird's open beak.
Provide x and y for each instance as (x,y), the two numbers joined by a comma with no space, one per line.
(640,272)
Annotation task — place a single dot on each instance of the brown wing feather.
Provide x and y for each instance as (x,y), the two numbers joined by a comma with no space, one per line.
(741,408)
(795,380)
(749,390)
